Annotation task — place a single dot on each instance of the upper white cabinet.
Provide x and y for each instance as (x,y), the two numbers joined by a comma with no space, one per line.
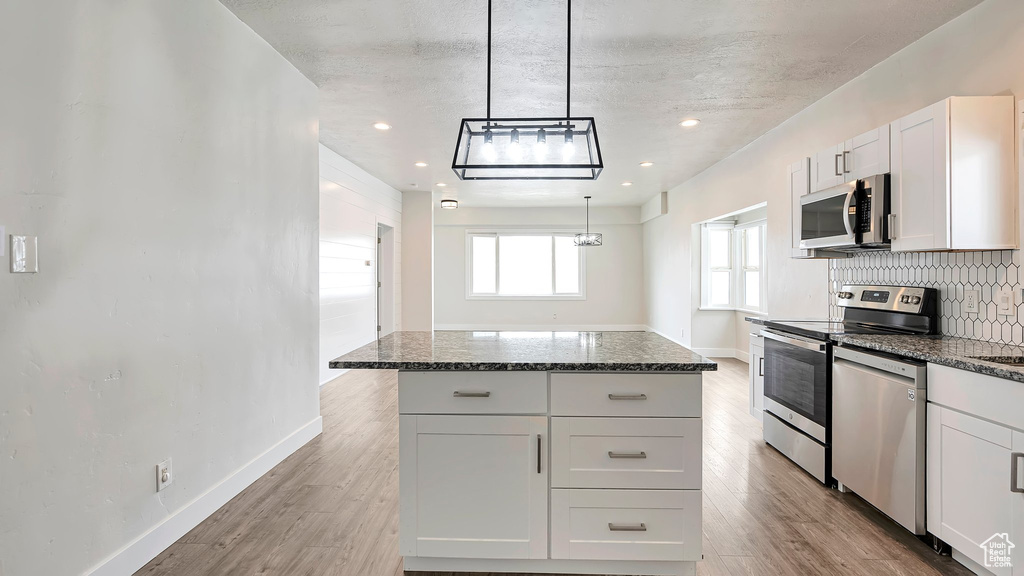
(827,168)
(857,158)
(867,154)
(799,185)
(953,176)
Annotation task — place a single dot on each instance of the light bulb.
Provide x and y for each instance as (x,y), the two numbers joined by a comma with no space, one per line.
(515,151)
(568,149)
(540,149)
(488,148)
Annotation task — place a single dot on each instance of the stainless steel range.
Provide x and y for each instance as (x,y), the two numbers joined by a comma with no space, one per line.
(798,360)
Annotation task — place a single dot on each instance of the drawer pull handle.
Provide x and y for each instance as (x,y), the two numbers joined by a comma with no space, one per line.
(627,396)
(458,394)
(1014,480)
(641,527)
(627,454)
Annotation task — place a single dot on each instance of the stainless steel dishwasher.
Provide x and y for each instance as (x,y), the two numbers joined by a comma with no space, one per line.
(878,432)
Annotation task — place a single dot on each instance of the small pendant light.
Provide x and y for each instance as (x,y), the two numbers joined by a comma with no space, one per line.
(588,239)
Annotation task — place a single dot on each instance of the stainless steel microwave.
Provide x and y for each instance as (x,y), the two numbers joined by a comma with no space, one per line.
(850,217)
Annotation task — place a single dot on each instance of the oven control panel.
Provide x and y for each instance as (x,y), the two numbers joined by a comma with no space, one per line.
(907,299)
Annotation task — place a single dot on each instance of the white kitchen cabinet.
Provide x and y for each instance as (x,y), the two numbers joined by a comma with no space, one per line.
(952,184)
(473,486)
(757,375)
(867,154)
(974,428)
(799,186)
(827,168)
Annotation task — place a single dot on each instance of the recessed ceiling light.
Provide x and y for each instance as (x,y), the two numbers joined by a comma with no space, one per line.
(382,126)
(627,183)
(421,164)
(441,184)
(689,123)
(647,164)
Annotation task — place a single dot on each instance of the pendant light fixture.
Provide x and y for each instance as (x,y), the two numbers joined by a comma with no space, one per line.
(560,148)
(588,239)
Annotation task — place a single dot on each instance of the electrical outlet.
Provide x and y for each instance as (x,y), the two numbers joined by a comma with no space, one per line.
(971,298)
(1004,301)
(24,258)
(164,475)
(554,316)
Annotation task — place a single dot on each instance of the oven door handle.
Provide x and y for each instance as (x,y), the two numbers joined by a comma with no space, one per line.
(798,342)
(846,212)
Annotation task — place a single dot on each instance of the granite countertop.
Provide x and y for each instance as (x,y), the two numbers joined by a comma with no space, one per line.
(541,351)
(959,353)
(756,320)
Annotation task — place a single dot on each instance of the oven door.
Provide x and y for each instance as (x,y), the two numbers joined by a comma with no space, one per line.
(796,379)
(828,219)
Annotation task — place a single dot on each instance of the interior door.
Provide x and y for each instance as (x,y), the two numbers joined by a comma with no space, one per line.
(827,168)
(474,486)
(867,154)
(971,481)
(920,180)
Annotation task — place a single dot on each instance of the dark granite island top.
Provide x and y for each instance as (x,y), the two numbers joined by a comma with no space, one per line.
(972,355)
(540,351)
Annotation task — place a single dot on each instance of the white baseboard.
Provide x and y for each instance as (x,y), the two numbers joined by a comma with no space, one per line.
(716,352)
(139,552)
(742,355)
(546,327)
(334,375)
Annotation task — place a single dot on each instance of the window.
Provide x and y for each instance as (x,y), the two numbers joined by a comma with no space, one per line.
(732,266)
(515,264)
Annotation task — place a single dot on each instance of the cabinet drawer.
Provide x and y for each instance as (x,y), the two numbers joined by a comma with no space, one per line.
(626,525)
(625,394)
(472,392)
(626,453)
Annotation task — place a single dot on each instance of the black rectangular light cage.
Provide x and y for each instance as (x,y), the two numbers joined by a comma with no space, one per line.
(527,149)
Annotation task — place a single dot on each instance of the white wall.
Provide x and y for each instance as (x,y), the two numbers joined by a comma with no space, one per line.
(166,157)
(975,54)
(614,283)
(417,261)
(352,203)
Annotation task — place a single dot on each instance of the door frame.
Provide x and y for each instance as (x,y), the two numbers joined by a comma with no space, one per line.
(385,278)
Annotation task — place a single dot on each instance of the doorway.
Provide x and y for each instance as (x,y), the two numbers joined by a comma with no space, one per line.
(385,280)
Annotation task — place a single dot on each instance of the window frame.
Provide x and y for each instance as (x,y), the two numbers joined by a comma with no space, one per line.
(743,266)
(737,266)
(498,233)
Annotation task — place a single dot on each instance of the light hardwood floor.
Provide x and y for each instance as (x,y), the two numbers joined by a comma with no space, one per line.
(332,507)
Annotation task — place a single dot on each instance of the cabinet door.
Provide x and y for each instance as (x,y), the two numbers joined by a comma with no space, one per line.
(1017,537)
(827,168)
(473,486)
(920,180)
(968,478)
(756,377)
(867,154)
(799,185)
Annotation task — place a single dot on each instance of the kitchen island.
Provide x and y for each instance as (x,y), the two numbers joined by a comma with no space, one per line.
(545,452)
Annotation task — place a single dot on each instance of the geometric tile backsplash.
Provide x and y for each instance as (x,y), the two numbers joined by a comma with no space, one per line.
(951,273)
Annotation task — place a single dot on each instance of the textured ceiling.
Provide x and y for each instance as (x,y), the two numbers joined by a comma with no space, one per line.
(638,67)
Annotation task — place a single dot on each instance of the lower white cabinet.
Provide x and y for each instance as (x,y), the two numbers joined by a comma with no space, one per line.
(611,466)
(757,375)
(626,525)
(626,453)
(473,486)
(974,497)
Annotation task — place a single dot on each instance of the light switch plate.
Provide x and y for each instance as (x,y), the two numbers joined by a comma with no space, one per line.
(1004,301)
(24,254)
